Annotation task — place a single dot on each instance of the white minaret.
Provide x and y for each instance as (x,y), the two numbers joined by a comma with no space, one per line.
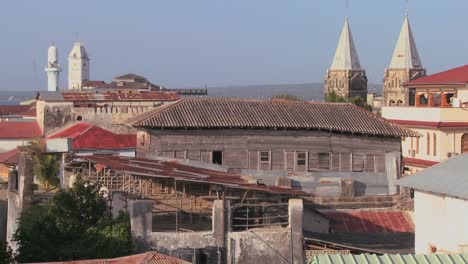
(78,66)
(52,69)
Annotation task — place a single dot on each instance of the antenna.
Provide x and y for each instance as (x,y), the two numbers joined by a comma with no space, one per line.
(406,7)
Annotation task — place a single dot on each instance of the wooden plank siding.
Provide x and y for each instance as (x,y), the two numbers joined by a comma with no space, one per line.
(294,151)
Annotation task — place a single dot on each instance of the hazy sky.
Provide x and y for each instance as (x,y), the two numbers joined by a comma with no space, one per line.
(189,43)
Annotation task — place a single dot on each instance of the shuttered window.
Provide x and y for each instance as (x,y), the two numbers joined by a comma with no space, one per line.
(370,164)
(206,156)
(289,160)
(301,161)
(324,161)
(346,162)
(380,163)
(335,161)
(265,160)
(253,159)
(464,143)
(358,162)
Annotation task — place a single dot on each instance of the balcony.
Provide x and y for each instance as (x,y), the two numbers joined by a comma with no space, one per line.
(426,114)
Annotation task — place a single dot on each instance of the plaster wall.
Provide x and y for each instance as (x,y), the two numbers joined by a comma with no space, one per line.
(441,222)
(9,144)
(428,114)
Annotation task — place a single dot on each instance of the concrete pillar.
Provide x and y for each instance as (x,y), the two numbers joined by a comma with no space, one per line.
(296,211)
(119,203)
(141,221)
(218,222)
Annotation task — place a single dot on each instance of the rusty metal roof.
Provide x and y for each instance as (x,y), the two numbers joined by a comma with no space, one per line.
(151,257)
(106,96)
(270,114)
(180,172)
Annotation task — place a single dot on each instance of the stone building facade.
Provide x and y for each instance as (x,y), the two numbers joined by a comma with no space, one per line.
(346,77)
(404,66)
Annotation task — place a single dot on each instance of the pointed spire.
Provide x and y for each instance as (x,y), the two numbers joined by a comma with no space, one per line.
(405,55)
(346,57)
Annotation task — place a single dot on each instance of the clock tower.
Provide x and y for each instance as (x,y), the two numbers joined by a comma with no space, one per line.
(78,66)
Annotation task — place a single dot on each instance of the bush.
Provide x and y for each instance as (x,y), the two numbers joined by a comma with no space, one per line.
(6,255)
(72,225)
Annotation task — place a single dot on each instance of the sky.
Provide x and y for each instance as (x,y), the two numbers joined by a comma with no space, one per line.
(193,43)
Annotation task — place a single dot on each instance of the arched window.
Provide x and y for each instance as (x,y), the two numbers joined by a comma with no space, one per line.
(391,103)
(399,102)
(464,143)
(428,144)
(422,99)
(434,144)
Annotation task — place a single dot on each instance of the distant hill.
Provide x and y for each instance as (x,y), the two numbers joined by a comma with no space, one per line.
(305,91)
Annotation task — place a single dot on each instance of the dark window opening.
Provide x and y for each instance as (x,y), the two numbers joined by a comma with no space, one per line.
(264,156)
(79,118)
(217,157)
(301,158)
(412,95)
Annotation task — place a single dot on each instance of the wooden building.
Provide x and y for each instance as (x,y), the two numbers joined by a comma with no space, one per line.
(270,135)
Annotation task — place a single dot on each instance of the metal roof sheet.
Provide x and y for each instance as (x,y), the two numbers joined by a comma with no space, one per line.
(270,114)
(391,259)
(449,178)
(181,172)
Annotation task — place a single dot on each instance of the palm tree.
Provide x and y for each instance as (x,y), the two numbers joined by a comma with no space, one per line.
(45,166)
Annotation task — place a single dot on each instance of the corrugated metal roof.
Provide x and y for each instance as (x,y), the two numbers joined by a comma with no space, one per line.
(449,178)
(181,172)
(391,259)
(270,114)
(364,221)
(19,130)
(150,257)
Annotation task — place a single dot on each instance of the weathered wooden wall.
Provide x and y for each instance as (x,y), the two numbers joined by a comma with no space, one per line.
(322,151)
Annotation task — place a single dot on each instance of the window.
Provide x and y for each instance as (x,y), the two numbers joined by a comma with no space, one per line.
(434,144)
(217,157)
(428,144)
(301,158)
(265,160)
(464,143)
(79,118)
(301,161)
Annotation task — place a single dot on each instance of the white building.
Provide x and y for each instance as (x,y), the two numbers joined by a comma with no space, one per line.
(78,66)
(52,69)
(441,207)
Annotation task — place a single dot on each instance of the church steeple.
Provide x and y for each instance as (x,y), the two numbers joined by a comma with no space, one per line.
(346,57)
(404,66)
(346,77)
(405,55)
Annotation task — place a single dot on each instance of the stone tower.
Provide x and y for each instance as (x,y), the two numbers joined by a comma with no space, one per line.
(345,76)
(52,69)
(78,66)
(404,66)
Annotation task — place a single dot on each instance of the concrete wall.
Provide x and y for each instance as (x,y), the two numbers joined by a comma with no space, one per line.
(261,245)
(441,222)
(9,144)
(19,199)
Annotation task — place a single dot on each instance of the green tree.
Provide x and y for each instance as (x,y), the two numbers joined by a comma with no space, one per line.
(357,100)
(6,255)
(74,224)
(45,166)
(287,97)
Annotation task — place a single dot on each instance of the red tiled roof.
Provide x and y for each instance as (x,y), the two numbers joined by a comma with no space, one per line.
(31,112)
(6,110)
(86,136)
(452,76)
(92,83)
(358,221)
(181,172)
(107,96)
(419,162)
(10,157)
(151,257)
(19,130)
(430,124)
(267,114)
